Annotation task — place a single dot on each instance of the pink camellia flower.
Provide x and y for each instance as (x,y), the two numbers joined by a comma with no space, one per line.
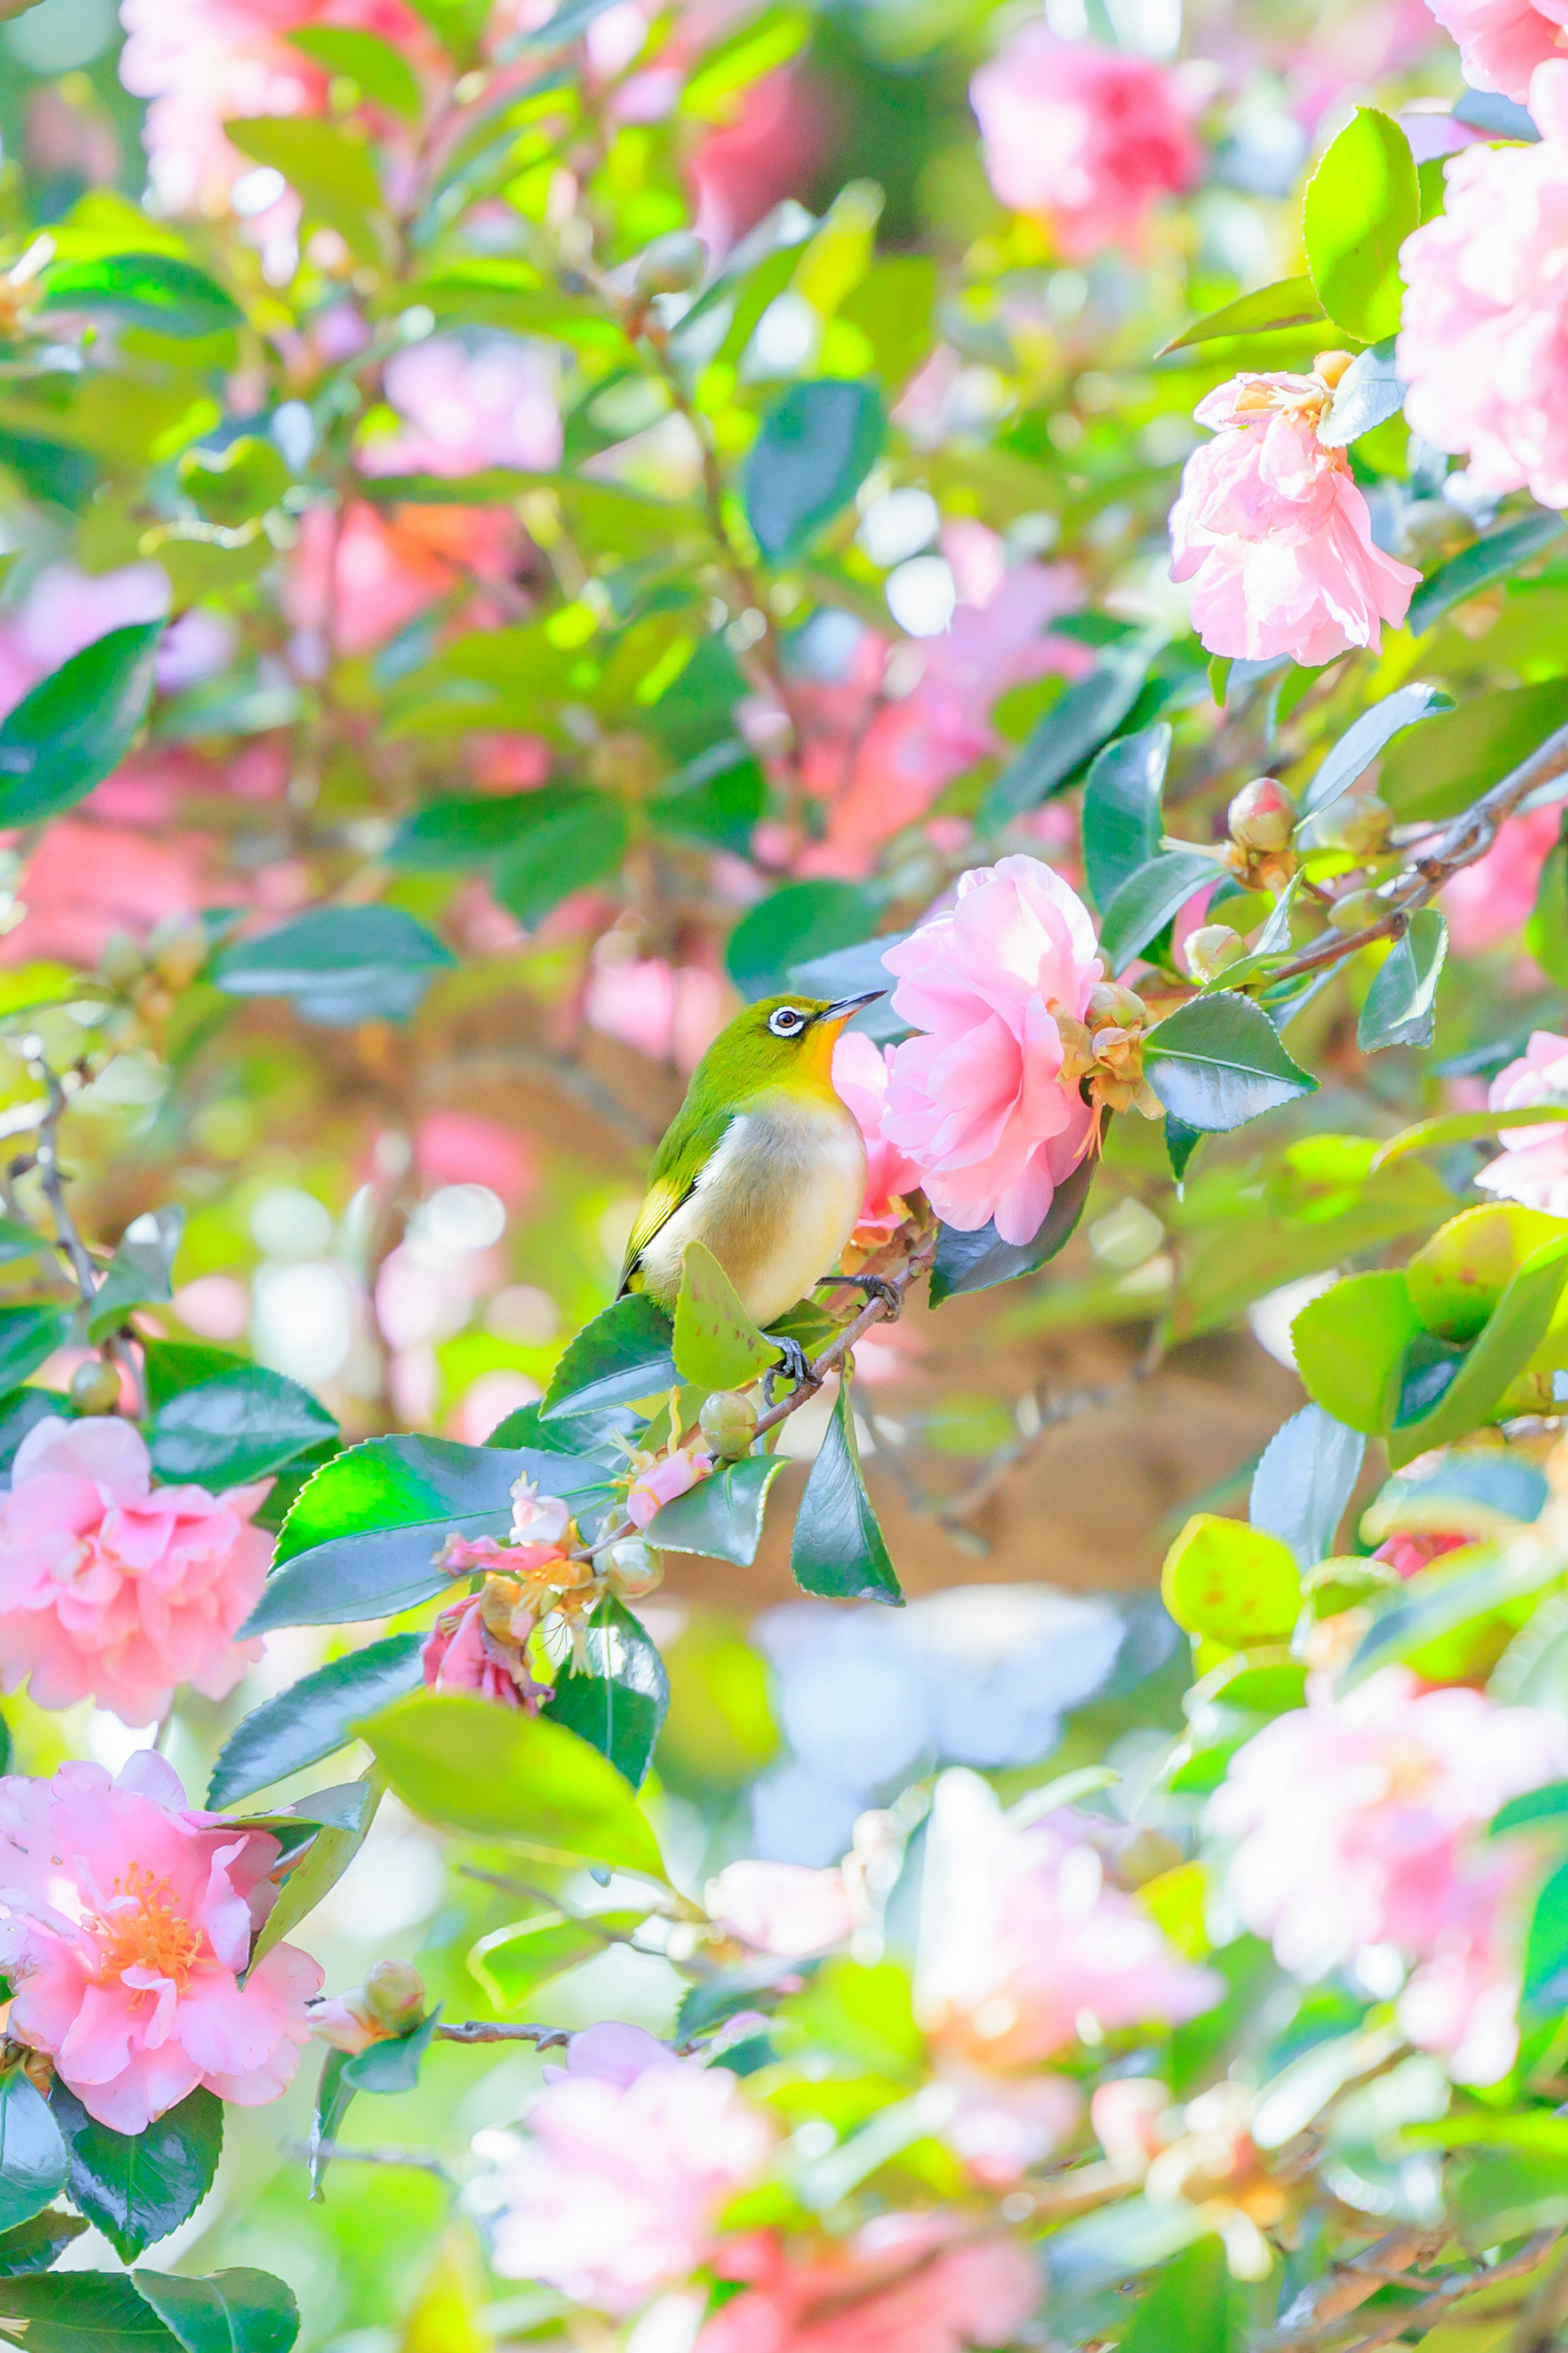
(1274,534)
(66,609)
(782,1907)
(1490,901)
(631,2157)
(1002,2126)
(113,1589)
(463,1652)
(1533,1165)
(463,410)
(661,1482)
(977,1104)
(903,2283)
(1483,345)
(862,1074)
(672,1013)
(1085,138)
(1501,42)
(126,1921)
(1410,1551)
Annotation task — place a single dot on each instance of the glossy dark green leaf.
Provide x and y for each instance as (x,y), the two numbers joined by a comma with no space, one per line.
(1181,1142)
(1360,205)
(340,966)
(723,1517)
(573,837)
(236,1427)
(978,1260)
(82,2312)
(323,1862)
(1512,1333)
(1439,770)
(381,72)
(625,1353)
(1304,1481)
(240,2311)
(1494,557)
(1148,899)
(39,2242)
(314,1717)
(716,798)
(1547,1804)
(838,1550)
(33,2158)
(75,725)
(1077,724)
(617,1700)
(1399,1008)
(1218,1062)
(334,2099)
(796,924)
(151,290)
(460,831)
(1360,745)
(1367,394)
(392,2067)
(138,2186)
(817,446)
(29,1335)
(1122,820)
(1289,302)
(172,1365)
(140,1272)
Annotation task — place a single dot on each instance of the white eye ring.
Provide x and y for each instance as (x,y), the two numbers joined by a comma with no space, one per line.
(787,1022)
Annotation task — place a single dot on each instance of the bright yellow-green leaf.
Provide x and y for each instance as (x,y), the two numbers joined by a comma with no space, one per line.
(1350,1345)
(1236,1584)
(1362,203)
(1458,1277)
(717,1346)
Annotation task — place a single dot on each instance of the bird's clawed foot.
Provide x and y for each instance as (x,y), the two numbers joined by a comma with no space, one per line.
(792,1365)
(877,1286)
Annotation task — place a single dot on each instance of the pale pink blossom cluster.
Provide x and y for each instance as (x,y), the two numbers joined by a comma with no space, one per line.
(1483,344)
(902,2284)
(862,1074)
(1274,534)
(64,610)
(660,1481)
(631,2156)
(126,1923)
(977,1102)
(114,1590)
(1355,1824)
(463,409)
(1490,901)
(1533,1165)
(785,1908)
(1501,42)
(1084,138)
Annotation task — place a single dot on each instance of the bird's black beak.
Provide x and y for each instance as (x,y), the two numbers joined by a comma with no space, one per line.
(843,1007)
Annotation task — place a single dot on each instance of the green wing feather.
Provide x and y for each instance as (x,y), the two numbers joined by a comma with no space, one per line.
(688,1144)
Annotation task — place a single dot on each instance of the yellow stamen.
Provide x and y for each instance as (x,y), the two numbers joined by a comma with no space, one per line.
(144,1930)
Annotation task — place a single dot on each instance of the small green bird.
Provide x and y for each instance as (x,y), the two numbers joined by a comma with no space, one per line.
(764,1163)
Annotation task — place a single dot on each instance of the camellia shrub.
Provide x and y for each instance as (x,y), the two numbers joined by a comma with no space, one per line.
(524,533)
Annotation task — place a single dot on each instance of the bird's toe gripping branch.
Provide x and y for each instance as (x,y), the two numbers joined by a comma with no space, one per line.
(793,1365)
(877,1286)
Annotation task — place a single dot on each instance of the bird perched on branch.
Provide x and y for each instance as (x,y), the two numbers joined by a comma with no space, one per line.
(764,1163)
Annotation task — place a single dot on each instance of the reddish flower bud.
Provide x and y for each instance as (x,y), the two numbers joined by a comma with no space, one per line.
(1262,815)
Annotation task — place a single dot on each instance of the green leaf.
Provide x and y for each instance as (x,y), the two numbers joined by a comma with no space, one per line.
(838,1549)
(1360,205)
(365,57)
(332,2102)
(29,1335)
(1122,818)
(1304,1480)
(175,1364)
(504,1775)
(1546,932)
(817,446)
(1218,1062)
(340,965)
(38,2243)
(333,171)
(152,289)
(1147,899)
(323,1862)
(236,1427)
(1194,2306)
(314,1718)
(1549,1803)
(1359,746)
(1440,1602)
(1438,772)
(1077,724)
(232,486)
(82,2312)
(18,1240)
(139,1272)
(716,798)
(981,1259)
(1238,1585)
(619,1700)
(1462,1128)
(1399,1003)
(717,1346)
(462,830)
(1495,557)
(1289,302)
(138,2186)
(1350,1345)
(393,2066)
(510,1963)
(77,724)
(240,2311)
(721,1517)
(624,1354)
(1181,1142)
(33,2160)
(1367,394)
(794,925)
(573,836)
(1512,1333)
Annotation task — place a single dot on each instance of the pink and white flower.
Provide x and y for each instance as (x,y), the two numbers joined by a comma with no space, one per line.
(662,1480)
(126,1923)
(903,2283)
(463,410)
(1501,42)
(862,1074)
(113,1589)
(782,1907)
(1533,1165)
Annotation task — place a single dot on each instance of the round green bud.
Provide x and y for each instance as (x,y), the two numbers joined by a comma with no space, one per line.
(1356,910)
(1111,1007)
(1262,816)
(395,1995)
(729,1423)
(633,1569)
(672,265)
(1358,824)
(120,961)
(1211,949)
(95,1386)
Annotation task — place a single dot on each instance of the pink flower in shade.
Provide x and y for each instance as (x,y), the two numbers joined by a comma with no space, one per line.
(454,1147)
(632,2156)
(1274,534)
(1002,2126)
(372,575)
(126,1921)
(1533,1165)
(862,1073)
(671,1013)
(1409,1551)
(1501,42)
(66,609)
(782,1907)
(85,880)
(462,1654)
(771,150)
(1483,346)
(115,1589)
(1085,138)
(464,409)
(978,1102)
(904,2284)
(1490,901)
(660,1483)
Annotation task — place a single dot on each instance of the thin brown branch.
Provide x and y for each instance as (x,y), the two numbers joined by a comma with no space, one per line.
(1319,2309)
(1052,1413)
(1421,2315)
(482,2029)
(414,2160)
(1542,2320)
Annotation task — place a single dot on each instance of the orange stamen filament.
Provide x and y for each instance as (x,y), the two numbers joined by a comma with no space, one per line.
(140,1928)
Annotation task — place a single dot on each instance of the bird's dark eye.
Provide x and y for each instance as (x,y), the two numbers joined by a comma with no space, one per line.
(786,1021)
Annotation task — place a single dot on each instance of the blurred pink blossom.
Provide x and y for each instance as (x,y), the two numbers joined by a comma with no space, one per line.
(671,1013)
(115,1589)
(488,1402)
(977,1102)
(1001,2126)
(673,1475)
(782,1907)
(631,2157)
(64,610)
(1501,42)
(775,144)
(463,410)
(354,580)
(862,1073)
(1410,1551)
(126,1921)
(1489,902)
(457,1147)
(1084,138)
(1533,1165)
(1483,346)
(904,2284)
(1274,534)
(85,880)
(216,1305)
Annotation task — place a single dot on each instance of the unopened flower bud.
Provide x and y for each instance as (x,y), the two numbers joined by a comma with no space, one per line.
(1329,367)
(729,1423)
(1262,815)
(1356,910)
(1358,824)
(95,1386)
(120,961)
(672,264)
(178,947)
(633,1569)
(395,1995)
(1112,1007)
(1211,948)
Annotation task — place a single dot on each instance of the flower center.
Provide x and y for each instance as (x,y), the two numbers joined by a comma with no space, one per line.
(141,1928)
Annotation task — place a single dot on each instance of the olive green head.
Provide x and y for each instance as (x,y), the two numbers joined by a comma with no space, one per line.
(778,1041)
